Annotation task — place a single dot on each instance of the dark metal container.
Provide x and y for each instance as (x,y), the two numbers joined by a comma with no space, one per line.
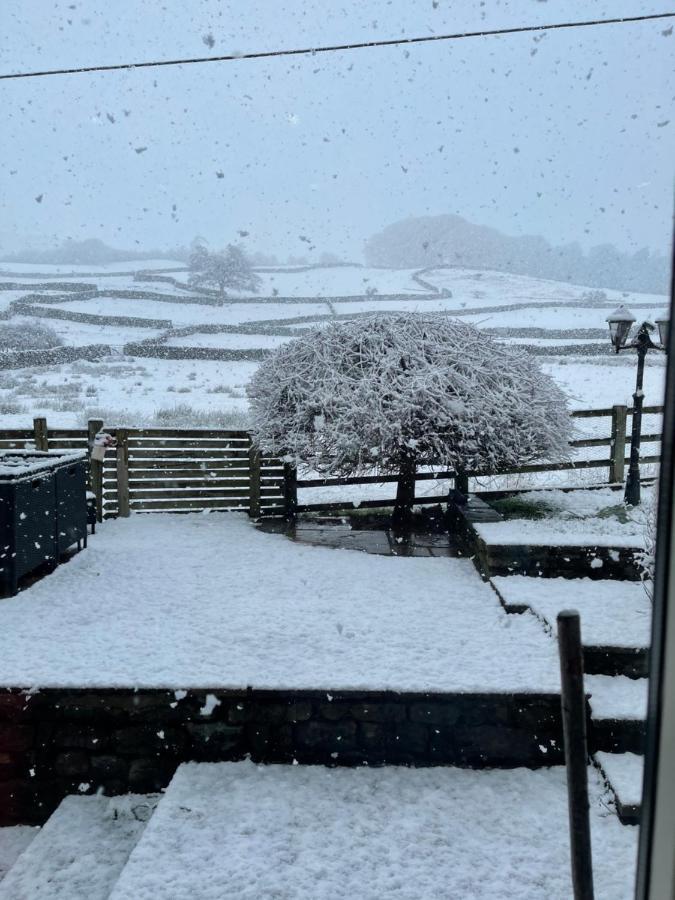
(71,503)
(42,510)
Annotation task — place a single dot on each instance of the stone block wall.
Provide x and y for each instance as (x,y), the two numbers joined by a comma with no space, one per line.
(56,742)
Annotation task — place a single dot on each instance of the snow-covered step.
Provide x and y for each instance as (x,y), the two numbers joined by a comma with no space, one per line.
(624,772)
(13,841)
(80,851)
(240,830)
(615,616)
(618,712)
(617,697)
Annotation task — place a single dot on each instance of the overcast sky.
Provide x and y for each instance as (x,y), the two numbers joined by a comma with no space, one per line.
(568,134)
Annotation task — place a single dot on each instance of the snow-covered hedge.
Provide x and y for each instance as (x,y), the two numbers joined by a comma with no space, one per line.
(363,394)
(647,559)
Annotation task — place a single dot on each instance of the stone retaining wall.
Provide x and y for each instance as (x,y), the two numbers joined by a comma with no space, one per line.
(54,356)
(55,742)
(161,351)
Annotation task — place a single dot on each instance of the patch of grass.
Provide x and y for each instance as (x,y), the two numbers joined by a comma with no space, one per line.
(8,408)
(517,508)
(184,415)
(618,512)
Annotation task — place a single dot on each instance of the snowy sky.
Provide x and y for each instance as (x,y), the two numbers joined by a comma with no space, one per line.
(569,135)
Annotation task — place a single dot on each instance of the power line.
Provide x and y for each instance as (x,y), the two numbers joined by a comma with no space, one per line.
(331,48)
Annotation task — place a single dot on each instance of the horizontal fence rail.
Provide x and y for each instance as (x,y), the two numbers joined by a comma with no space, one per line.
(198,469)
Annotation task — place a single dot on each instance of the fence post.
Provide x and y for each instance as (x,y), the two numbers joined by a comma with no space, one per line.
(573,701)
(290,491)
(618,445)
(95,467)
(40,432)
(254,481)
(122,436)
(462,483)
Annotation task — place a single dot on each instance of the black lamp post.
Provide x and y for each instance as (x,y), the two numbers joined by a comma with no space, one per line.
(620,323)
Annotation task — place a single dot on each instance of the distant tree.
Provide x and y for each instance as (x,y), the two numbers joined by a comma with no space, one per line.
(227,270)
(264,259)
(393,392)
(329,259)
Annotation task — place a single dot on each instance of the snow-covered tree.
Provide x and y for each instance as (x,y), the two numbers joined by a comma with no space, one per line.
(394,392)
(229,269)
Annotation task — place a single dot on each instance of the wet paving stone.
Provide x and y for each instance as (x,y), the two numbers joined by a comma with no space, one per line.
(338,533)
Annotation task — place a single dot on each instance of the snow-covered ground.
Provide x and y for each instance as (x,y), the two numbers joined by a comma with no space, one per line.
(78,334)
(182,314)
(605,381)
(226,341)
(590,381)
(128,391)
(339,281)
(296,833)
(617,696)
(225,605)
(13,841)
(613,613)
(79,853)
(625,772)
(576,518)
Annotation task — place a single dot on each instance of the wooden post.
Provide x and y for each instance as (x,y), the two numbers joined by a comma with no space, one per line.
(95,467)
(40,432)
(254,481)
(618,445)
(402,515)
(290,491)
(462,483)
(122,436)
(576,753)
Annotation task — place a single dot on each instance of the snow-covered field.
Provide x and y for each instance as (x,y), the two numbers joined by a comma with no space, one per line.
(340,281)
(225,605)
(133,391)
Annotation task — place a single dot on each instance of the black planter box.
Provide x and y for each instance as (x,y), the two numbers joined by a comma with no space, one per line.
(71,503)
(42,510)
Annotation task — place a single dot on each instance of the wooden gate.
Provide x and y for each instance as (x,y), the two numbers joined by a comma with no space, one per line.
(168,469)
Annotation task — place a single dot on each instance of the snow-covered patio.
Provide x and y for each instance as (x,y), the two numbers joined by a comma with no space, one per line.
(207,600)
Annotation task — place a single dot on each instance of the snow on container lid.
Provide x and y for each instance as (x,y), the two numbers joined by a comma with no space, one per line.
(16,464)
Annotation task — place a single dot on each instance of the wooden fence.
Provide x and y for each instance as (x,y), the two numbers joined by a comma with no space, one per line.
(167,469)
(616,439)
(190,470)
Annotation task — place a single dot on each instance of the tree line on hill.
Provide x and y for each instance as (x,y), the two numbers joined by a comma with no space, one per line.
(450,240)
(94,252)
